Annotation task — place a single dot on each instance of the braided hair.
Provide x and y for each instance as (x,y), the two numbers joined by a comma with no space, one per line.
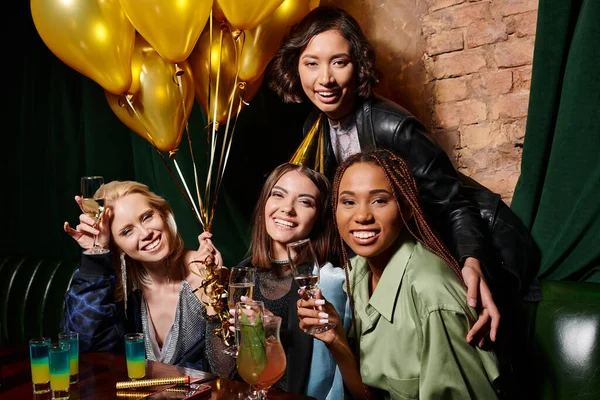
(404,188)
(406,193)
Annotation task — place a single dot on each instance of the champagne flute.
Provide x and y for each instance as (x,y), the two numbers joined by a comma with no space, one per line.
(306,269)
(93,206)
(241,283)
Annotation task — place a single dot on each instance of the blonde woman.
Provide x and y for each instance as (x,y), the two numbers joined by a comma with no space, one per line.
(144,284)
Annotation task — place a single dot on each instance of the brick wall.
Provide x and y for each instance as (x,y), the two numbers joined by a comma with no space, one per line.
(464,68)
(478,57)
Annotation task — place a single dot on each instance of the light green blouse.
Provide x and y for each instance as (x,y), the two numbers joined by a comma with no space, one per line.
(412,330)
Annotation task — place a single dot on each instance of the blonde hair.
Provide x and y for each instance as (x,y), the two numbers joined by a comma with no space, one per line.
(137,275)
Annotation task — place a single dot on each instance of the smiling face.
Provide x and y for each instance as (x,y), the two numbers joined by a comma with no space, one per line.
(139,230)
(327,74)
(290,211)
(367,214)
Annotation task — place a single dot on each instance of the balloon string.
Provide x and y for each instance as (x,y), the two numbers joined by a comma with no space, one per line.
(210,41)
(187,199)
(213,144)
(228,135)
(239,109)
(209,86)
(189,136)
(198,215)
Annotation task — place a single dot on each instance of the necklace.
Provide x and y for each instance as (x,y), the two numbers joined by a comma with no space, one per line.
(277,262)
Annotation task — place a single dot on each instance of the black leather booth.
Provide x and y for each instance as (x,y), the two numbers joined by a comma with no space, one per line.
(32,297)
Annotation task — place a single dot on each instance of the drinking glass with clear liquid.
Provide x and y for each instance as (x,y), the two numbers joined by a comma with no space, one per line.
(261,360)
(306,269)
(249,308)
(241,283)
(93,206)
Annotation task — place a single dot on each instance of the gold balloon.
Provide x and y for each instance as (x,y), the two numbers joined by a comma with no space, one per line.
(217,13)
(157,114)
(247,14)
(206,60)
(261,43)
(171,27)
(95,38)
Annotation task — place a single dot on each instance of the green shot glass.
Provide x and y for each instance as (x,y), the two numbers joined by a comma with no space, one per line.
(72,338)
(60,370)
(135,352)
(40,366)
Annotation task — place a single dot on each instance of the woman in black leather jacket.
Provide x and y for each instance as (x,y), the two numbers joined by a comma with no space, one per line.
(327,59)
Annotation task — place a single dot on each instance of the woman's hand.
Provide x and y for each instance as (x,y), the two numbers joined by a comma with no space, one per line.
(318,311)
(206,277)
(232,313)
(207,250)
(489,316)
(87,228)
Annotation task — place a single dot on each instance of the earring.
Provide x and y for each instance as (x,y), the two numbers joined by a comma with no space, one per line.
(124,279)
(168,273)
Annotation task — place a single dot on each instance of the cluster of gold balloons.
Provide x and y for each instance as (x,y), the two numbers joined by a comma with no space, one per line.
(135,49)
(154,57)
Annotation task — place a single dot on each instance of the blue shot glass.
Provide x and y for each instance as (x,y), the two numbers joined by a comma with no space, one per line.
(72,339)
(135,353)
(60,370)
(40,366)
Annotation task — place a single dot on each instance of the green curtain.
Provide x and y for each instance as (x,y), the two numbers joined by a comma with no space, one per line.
(557,195)
(59,127)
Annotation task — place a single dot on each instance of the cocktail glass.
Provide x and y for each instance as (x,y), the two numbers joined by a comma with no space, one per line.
(261,359)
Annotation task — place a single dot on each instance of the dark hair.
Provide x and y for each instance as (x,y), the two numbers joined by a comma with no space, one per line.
(406,193)
(323,235)
(283,74)
(404,188)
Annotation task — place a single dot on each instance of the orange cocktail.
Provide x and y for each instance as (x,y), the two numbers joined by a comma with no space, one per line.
(261,363)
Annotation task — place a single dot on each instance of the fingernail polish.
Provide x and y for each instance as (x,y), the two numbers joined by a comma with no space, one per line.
(323,321)
(323,315)
(320,302)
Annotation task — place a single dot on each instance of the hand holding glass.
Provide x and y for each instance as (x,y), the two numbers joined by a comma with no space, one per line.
(93,206)
(241,283)
(252,309)
(306,269)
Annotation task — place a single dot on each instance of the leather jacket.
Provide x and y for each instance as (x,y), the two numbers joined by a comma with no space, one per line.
(472,220)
